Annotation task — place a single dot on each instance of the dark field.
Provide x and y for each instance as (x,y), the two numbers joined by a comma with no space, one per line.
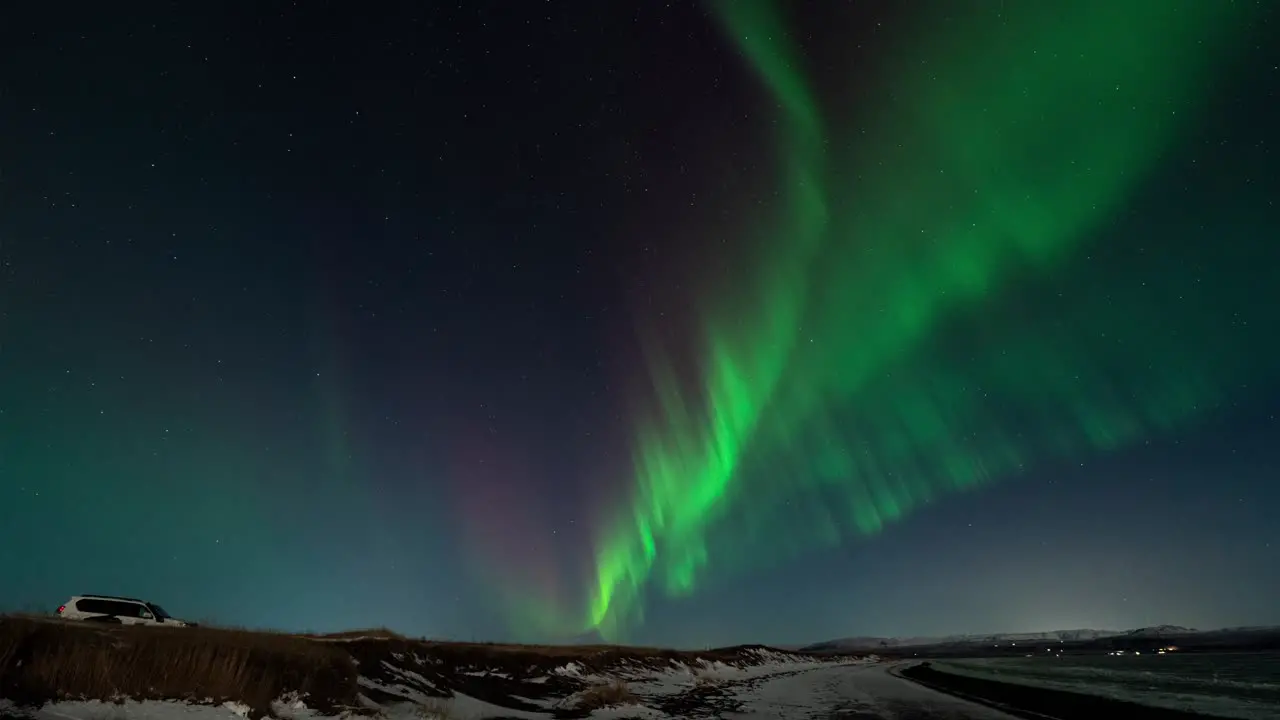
(1236,685)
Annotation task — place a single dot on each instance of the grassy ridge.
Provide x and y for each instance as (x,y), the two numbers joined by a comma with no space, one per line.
(42,660)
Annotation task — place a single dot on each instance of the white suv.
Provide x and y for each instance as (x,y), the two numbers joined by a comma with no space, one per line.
(121,610)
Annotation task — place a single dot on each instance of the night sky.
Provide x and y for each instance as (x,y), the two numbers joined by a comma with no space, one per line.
(670,323)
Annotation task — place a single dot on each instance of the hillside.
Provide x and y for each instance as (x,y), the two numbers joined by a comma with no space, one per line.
(366,673)
(876,643)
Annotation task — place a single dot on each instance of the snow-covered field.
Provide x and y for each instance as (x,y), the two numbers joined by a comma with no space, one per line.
(76,671)
(781,688)
(863,692)
(671,690)
(1240,685)
(62,671)
(417,686)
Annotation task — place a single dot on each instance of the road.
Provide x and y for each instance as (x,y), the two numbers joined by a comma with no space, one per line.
(852,692)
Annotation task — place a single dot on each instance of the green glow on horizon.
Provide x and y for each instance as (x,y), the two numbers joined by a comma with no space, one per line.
(832,398)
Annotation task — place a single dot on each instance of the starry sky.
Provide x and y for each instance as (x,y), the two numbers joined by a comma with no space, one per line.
(684,323)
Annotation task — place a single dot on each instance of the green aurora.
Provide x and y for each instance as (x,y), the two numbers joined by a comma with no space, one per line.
(911,327)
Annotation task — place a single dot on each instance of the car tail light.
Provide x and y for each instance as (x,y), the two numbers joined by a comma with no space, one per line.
(61,608)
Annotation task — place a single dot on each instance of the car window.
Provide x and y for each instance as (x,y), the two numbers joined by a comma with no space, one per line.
(160,612)
(125,609)
(100,607)
(119,608)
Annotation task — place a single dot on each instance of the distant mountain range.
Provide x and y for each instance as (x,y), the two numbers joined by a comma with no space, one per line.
(873,643)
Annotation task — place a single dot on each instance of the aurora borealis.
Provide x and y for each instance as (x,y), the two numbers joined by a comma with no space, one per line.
(993,162)
(715,323)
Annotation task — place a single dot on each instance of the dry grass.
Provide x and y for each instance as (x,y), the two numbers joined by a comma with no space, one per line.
(43,660)
(605,695)
(380,633)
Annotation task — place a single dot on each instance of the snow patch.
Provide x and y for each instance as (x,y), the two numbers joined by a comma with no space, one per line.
(572,670)
(488,673)
(465,707)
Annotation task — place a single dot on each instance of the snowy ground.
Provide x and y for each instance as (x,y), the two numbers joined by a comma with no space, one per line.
(862,692)
(803,691)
